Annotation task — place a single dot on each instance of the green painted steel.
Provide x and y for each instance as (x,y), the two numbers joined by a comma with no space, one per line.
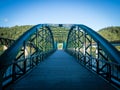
(36,44)
(26,52)
(94,52)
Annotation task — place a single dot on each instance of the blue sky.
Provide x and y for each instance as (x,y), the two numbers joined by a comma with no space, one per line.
(96,14)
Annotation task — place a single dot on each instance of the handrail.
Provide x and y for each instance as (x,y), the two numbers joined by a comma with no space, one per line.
(106,46)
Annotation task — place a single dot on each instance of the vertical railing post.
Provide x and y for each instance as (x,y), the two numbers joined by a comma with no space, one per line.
(97,57)
(24,50)
(84,47)
(108,72)
(97,66)
(13,72)
(31,62)
(37,45)
(75,44)
(78,44)
(90,57)
(46,41)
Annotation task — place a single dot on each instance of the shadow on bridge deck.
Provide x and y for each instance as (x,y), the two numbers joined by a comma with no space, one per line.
(61,72)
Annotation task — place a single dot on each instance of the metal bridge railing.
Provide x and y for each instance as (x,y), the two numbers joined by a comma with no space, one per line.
(94,52)
(25,53)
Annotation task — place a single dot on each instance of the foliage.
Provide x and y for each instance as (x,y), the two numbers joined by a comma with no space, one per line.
(110,33)
(59,33)
(13,32)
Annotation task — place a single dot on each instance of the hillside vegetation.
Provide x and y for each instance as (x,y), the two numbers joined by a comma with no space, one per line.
(59,33)
(110,33)
(13,32)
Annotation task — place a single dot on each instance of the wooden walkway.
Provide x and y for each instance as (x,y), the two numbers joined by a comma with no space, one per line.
(61,72)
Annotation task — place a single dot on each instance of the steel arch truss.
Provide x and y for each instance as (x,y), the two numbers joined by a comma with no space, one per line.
(39,46)
(90,53)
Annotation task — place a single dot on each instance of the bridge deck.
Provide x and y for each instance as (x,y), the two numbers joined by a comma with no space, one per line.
(61,72)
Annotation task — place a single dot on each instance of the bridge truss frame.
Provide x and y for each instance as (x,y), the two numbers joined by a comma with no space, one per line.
(26,52)
(94,52)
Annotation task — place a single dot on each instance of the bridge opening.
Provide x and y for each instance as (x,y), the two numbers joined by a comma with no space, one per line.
(60,46)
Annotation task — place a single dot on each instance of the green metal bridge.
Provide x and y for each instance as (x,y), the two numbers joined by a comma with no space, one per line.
(87,61)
